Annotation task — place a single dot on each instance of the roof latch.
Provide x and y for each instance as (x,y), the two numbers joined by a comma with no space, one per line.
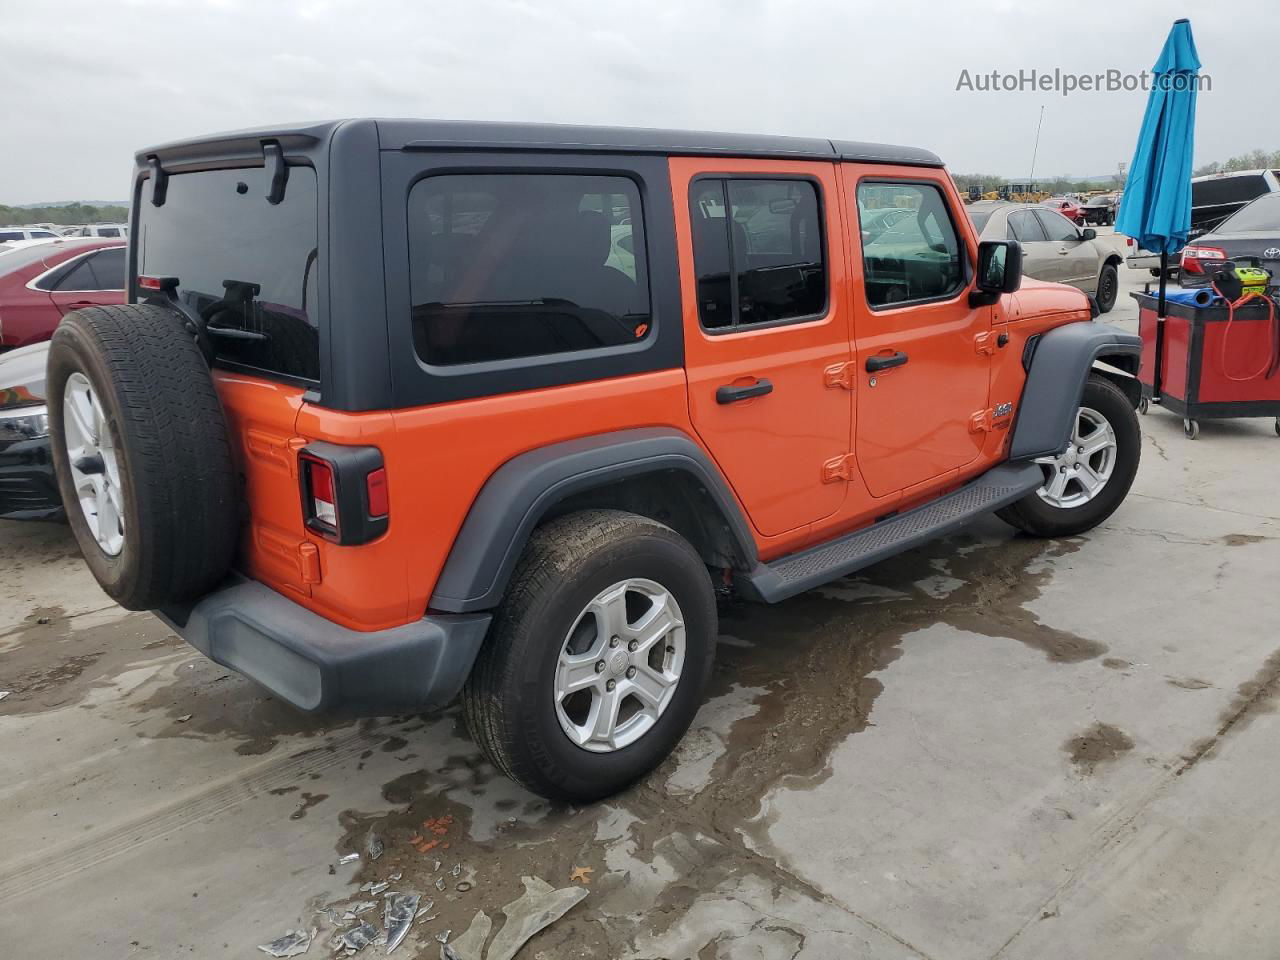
(273,157)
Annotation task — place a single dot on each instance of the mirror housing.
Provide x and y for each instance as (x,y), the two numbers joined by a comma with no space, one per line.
(1088,233)
(999,271)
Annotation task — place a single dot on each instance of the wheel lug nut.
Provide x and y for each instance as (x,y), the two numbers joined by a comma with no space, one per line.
(633,645)
(614,641)
(599,666)
(610,685)
(631,672)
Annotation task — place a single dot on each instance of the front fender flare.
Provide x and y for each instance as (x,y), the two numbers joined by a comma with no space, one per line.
(1058,367)
(521,492)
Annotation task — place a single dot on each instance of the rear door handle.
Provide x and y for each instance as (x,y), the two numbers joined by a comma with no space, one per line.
(885,361)
(731,394)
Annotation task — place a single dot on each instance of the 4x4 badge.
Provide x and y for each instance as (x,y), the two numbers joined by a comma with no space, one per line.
(1002,410)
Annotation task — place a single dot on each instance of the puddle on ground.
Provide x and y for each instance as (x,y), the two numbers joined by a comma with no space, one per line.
(791,682)
(1099,745)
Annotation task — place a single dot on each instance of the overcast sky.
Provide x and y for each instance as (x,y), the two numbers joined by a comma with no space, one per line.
(87,83)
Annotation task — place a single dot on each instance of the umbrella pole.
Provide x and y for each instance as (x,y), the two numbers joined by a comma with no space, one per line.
(1156,385)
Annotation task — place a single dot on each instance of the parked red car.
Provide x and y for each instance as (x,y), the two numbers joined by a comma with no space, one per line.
(1069,208)
(41,282)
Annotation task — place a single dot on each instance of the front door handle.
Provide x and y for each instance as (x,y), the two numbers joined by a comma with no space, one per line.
(885,361)
(1063,251)
(732,394)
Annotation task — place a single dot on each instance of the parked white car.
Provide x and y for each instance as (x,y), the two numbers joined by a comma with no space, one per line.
(26,233)
(99,230)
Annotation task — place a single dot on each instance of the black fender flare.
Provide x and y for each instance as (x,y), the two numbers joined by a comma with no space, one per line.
(1058,364)
(521,492)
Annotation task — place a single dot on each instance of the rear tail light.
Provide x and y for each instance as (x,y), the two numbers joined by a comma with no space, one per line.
(1195,259)
(344,492)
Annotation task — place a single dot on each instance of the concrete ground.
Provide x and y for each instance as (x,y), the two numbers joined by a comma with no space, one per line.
(990,747)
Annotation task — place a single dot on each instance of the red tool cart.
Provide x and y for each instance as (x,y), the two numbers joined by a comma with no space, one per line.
(1203,363)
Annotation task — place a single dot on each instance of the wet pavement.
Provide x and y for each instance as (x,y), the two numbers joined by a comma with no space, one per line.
(990,747)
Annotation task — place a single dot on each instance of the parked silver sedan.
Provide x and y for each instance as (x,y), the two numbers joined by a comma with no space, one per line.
(1053,248)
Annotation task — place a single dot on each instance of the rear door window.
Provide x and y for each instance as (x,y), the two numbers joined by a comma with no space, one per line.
(1057,227)
(508,265)
(1025,228)
(758,251)
(108,269)
(249,267)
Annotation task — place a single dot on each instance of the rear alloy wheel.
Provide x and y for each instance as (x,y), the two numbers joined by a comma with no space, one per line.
(95,471)
(598,658)
(1089,479)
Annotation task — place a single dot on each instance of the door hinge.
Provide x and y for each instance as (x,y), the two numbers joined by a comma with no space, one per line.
(841,468)
(984,344)
(841,375)
(980,422)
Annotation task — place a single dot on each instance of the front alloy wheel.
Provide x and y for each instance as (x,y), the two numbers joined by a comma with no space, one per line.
(1079,473)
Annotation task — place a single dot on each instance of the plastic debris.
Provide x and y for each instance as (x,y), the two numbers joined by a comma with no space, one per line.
(463,886)
(395,877)
(581,875)
(426,907)
(356,939)
(293,944)
(374,888)
(439,883)
(398,915)
(443,936)
(421,919)
(348,858)
(185,717)
(435,866)
(540,906)
(4,693)
(364,906)
(374,846)
(331,915)
(456,871)
(469,946)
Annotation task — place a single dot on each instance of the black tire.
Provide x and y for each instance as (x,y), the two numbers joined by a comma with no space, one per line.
(509,699)
(1108,287)
(177,481)
(1039,518)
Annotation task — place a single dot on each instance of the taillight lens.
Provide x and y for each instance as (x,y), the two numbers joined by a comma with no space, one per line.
(345,495)
(1195,259)
(320,490)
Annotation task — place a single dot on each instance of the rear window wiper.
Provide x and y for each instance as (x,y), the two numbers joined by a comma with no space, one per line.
(240,294)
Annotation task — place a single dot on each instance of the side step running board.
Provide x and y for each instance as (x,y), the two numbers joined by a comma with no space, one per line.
(797,572)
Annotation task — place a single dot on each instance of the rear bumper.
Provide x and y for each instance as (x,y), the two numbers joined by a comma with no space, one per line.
(317,665)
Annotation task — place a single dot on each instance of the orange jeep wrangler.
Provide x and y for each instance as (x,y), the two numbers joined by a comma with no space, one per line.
(402,409)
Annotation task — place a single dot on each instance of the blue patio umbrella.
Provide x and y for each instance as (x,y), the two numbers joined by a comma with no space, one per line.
(1156,207)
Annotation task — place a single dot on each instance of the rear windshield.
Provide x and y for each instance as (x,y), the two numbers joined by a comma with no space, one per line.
(248,266)
(1261,214)
(1227,190)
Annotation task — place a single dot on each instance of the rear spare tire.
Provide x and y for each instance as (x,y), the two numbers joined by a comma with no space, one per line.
(142,454)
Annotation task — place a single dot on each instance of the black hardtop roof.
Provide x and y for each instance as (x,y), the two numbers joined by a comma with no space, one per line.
(484,135)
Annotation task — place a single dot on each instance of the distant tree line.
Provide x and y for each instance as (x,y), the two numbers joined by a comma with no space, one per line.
(67,214)
(1253,160)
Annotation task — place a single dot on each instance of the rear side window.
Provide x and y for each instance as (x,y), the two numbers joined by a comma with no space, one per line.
(919,257)
(11,235)
(1024,227)
(79,278)
(248,266)
(757,251)
(1056,226)
(41,234)
(108,232)
(504,266)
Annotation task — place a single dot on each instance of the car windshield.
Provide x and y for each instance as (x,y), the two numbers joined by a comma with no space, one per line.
(1261,214)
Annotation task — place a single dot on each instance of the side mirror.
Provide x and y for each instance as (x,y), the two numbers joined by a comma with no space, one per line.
(1088,233)
(999,271)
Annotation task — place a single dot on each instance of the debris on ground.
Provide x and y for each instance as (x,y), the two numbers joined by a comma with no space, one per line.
(469,946)
(395,877)
(443,936)
(331,915)
(456,871)
(463,886)
(426,908)
(374,846)
(348,858)
(430,837)
(540,906)
(364,906)
(356,939)
(439,883)
(374,888)
(293,944)
(4,693)
(398,915)
(185,717)
(581,875)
